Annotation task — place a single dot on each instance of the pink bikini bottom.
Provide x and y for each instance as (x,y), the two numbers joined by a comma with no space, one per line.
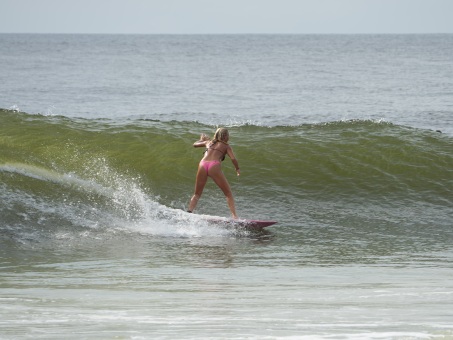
(208,165)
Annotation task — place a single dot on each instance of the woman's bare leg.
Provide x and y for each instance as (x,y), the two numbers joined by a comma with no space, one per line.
(200,182)
(221,181)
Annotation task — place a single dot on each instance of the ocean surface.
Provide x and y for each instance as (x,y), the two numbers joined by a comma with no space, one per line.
(345,140)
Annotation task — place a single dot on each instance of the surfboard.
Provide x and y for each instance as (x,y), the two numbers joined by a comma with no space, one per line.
(242,223)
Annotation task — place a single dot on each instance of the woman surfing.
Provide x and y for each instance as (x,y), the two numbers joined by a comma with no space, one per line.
(210,166)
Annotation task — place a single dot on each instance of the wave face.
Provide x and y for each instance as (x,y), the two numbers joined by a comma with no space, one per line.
(61,174)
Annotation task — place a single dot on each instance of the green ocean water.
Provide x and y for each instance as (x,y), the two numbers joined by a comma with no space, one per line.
(94,240)
(287,171)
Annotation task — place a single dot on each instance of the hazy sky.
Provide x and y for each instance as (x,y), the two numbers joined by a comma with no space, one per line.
(226,16)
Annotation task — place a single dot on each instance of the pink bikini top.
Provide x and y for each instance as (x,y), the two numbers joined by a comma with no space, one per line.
(211,148)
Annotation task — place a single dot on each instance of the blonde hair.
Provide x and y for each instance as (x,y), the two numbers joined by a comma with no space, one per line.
(221,135)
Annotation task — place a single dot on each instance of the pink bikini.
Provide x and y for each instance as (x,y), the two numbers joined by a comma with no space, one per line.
(208,165)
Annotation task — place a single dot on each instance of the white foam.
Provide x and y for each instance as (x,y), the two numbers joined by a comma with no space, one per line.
(125,205)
